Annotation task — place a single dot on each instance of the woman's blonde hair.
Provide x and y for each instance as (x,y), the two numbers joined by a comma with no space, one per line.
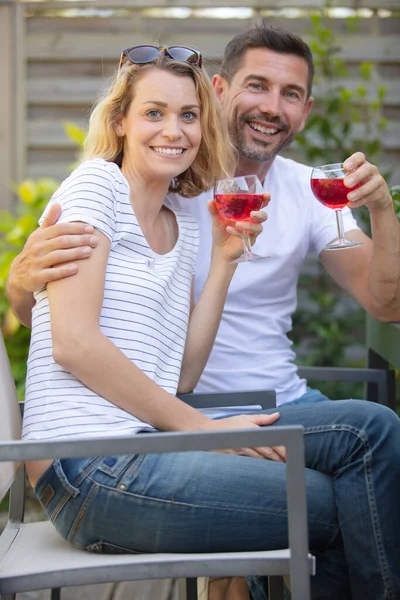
(216,157)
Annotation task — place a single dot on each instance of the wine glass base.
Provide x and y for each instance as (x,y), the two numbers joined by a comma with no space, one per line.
(247,257)
(342,244)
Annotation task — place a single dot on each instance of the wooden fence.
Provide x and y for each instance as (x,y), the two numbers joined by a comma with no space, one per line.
(59,54)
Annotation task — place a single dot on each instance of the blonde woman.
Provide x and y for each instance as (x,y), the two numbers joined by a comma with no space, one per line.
(111,346)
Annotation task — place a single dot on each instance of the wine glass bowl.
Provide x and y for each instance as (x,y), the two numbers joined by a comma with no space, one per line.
(327,185)
(238,206)
(235,198)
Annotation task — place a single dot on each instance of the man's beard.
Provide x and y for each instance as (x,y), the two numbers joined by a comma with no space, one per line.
(258,150)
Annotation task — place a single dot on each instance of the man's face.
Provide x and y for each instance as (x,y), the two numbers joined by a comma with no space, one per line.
(266,102)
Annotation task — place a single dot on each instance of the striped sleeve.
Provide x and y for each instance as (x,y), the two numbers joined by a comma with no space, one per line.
(89,194)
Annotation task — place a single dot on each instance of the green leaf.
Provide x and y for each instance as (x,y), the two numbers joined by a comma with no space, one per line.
(366,70)
(361,91)
(7,221)
(346,95)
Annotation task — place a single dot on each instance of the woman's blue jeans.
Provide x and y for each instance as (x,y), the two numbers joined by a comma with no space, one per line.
(204,501)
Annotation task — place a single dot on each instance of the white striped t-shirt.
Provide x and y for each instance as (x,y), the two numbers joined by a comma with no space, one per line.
(145,310)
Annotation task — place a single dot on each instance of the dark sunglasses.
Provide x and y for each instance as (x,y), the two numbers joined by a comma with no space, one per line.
(141,55)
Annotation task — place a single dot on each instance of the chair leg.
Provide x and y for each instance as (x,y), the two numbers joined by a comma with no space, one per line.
(375,361)
(55,594)
(275,588)
(191,588)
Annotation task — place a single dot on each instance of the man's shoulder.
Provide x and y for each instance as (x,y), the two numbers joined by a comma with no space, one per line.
(289,166)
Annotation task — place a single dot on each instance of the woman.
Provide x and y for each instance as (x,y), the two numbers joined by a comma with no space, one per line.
(111,347)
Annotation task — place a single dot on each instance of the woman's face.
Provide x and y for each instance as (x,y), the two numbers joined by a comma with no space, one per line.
(162,128)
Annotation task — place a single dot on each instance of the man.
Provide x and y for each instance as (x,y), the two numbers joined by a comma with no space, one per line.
(265,89)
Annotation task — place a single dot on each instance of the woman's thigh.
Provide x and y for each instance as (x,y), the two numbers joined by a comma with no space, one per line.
(191,502)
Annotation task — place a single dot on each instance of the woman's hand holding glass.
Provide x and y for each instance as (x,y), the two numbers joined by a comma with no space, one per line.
(239,200)
(227,234)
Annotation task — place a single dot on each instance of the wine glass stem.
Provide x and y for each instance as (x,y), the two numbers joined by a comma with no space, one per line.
(246,243)
(340,226)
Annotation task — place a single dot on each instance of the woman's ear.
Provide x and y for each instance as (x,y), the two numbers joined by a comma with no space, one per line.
(119,127)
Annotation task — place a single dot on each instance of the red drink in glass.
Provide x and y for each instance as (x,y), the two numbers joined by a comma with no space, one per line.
(331,192)
(238,207)
(328,187)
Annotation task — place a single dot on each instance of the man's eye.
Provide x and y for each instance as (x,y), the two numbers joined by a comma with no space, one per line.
(256,86)
(293,95)
(153,114)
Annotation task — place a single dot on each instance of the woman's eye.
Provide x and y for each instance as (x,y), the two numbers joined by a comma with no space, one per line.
(153,114)
(189,115)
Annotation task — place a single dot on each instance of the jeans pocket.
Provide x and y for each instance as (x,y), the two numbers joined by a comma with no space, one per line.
(53,490)
(114,471)
(102,547)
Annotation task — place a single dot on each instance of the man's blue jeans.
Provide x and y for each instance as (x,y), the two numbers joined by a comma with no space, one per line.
(204,501)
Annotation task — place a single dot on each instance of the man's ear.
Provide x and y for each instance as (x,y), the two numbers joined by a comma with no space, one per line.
(306,112)
(220,86)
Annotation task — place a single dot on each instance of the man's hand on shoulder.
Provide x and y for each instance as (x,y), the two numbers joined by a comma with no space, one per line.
(50,252)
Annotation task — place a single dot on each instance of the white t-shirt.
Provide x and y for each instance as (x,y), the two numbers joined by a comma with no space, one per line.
(145,310)
(252,350)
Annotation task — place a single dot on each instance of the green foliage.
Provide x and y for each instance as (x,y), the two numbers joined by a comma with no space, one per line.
(328,323)
(395,191)
(15,229)
(343,120)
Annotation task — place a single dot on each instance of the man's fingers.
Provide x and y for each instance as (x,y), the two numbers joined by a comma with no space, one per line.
(68,229)
(58,257)
(52,215)
(56,273)
(66,242)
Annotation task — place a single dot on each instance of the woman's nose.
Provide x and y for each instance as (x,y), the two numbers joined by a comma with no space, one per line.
(172,129)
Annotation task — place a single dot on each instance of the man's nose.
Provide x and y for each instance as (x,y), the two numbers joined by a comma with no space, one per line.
(271,103)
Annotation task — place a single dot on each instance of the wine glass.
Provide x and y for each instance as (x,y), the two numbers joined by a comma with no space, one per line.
(328,187)
(235,198)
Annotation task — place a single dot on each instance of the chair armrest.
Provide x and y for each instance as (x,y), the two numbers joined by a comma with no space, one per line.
(290,436)
(22,450)
(265,398)
(342,374)
(379,377)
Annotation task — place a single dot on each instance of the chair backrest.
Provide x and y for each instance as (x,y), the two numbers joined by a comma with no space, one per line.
(10,417)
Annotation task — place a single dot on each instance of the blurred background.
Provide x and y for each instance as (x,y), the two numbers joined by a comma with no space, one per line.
(57,55)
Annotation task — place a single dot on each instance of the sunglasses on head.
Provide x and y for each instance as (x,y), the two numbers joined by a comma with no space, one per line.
(141,55)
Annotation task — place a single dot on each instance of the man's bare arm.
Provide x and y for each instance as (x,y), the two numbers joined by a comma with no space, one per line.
(49,254)
(371,272)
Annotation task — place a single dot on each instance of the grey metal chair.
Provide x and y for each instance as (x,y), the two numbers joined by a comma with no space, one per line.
(33,556)
(379,381)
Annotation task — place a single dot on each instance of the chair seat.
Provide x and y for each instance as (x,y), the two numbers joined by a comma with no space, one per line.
(49,561)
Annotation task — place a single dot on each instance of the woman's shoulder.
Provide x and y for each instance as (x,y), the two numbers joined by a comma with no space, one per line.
(101,168)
